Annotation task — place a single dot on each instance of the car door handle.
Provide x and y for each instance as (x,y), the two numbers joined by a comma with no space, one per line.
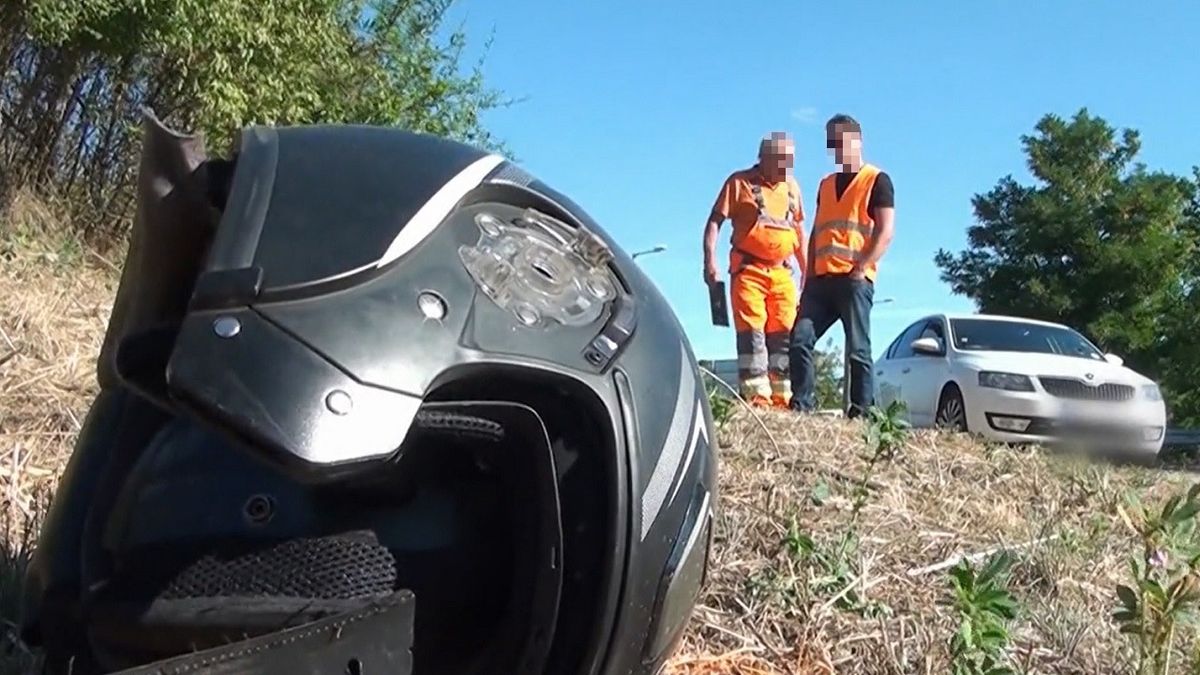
(905,371)
(879,372)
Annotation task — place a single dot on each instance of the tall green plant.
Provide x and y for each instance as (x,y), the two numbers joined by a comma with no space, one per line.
(1164,588)
(833,563)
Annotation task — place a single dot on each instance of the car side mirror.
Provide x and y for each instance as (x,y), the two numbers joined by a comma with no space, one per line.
(1114,359)
(928,347)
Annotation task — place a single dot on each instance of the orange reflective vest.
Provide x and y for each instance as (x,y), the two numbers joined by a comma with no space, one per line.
(770,240)
(843,228)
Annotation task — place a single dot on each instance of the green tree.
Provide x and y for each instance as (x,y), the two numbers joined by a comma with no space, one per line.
(1099,243)
(1179,352)
(76,75)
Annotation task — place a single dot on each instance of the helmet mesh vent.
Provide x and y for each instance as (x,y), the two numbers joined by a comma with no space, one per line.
(339,567)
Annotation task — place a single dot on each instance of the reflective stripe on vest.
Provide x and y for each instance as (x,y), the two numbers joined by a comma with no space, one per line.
(841,252)
(864,229)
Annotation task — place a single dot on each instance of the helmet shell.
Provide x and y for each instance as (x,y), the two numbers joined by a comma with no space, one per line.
(359,275)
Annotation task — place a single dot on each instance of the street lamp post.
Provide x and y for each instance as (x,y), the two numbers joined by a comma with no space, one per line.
(657,249)
(846,366)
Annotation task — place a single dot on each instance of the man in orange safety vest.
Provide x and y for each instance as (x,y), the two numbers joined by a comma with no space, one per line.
(765,205)
(851,231)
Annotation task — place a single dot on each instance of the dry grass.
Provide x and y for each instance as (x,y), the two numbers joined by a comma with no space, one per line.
(54,304)
(942,497)
(764,609)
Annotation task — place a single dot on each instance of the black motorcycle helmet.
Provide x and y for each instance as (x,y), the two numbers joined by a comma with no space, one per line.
(376,402)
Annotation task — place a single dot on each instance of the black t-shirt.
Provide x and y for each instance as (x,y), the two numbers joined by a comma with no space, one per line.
(883,195)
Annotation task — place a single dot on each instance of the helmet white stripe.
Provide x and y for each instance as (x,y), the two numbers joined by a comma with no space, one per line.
(434,211)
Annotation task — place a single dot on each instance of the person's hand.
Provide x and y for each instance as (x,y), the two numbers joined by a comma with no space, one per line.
(857,273)
(711,275)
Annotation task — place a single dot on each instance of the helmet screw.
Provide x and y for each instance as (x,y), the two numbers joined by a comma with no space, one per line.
(259,509)
(227,327)
(431,306)
(339,402)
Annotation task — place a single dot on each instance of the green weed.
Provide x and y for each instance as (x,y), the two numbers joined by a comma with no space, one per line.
(833,563)
(984,606)
(721,405)
(1165,579)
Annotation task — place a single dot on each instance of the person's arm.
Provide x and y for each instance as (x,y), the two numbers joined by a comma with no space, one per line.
(711,228)
(885,220)
(883,211)
(812,251)
(801,253)
(720,211)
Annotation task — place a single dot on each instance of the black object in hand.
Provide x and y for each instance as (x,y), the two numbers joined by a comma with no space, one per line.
(718,303)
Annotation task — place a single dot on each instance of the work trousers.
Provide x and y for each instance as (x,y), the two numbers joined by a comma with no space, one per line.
(763,300)
(827,299)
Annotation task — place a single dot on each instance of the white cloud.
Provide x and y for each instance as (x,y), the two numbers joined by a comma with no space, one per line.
(805,115)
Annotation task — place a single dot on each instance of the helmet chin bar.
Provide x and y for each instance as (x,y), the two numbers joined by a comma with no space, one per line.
(541,269)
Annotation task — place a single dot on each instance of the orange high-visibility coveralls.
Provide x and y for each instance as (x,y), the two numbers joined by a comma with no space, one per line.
(766,233)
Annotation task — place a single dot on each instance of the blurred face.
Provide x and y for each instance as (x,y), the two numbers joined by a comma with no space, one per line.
(844,144)
(776,158)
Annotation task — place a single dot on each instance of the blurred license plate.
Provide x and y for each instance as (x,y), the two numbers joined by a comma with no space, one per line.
(1086,412)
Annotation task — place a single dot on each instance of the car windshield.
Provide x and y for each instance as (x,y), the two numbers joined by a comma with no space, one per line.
(990,335)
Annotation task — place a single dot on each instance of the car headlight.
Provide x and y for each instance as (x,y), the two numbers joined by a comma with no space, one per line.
(1151,392)
(1006,381)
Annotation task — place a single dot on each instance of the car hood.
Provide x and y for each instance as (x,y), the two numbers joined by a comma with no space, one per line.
(1052,365)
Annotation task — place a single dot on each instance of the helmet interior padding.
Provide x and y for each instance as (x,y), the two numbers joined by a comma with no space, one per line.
(466,518)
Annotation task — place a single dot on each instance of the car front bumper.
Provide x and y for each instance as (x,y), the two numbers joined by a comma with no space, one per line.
(1137,426)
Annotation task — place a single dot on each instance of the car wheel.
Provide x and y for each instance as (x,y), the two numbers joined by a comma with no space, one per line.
(951,411)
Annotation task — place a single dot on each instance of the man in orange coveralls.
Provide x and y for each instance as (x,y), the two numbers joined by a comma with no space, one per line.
(766,208)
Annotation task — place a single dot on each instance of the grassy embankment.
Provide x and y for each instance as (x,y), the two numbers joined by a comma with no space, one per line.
(836,549)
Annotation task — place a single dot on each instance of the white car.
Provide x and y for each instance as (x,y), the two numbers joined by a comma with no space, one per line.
(1019,381)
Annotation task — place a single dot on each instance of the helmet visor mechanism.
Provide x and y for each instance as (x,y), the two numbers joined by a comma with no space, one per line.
(540,269)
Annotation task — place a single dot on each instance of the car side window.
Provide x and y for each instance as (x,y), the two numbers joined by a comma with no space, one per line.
(934,329)
(904,348)
(891,350)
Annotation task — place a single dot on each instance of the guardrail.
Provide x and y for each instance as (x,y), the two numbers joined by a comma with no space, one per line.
(1182,439)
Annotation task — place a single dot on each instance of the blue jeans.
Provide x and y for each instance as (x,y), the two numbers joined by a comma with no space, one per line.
(827,299)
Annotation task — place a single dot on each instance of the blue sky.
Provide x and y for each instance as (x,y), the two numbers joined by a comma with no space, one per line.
(639,110)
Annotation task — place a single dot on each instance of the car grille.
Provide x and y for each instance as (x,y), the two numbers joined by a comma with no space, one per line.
(1074,389)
